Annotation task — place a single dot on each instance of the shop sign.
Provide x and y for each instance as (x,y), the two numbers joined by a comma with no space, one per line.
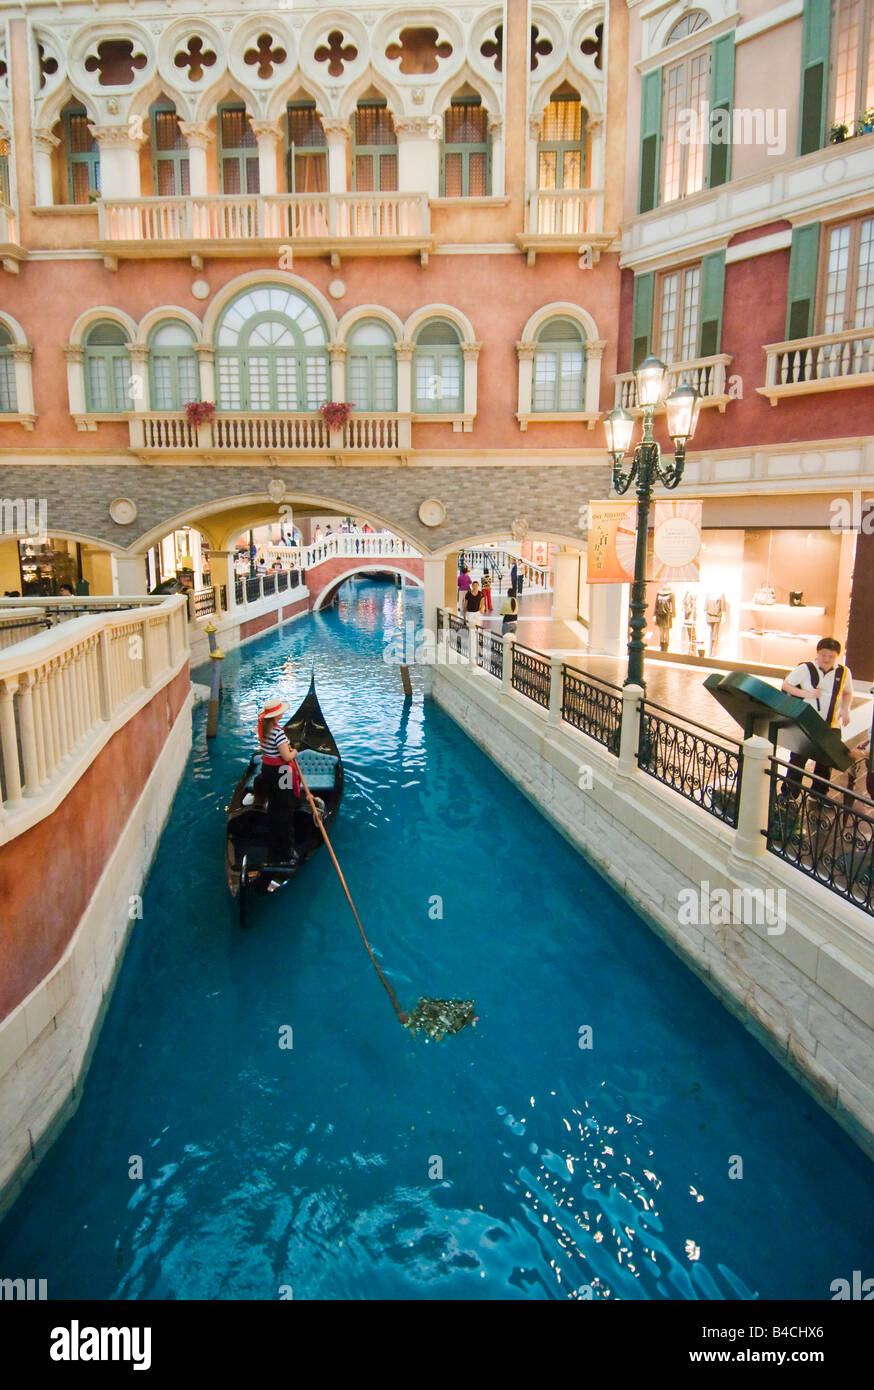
(612,541)
(677,541)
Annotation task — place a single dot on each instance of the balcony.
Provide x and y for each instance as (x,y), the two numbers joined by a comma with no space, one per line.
(562,219)
(706,374)
(309,224)
(255,432)
(10,250)
(829,362)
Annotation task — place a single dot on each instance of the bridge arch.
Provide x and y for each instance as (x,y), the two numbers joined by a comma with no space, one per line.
(380,564)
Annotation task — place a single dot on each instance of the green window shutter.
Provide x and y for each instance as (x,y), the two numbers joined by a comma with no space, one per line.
(721,98)
(815,35)
(641,318)
(803,263)
(712,293)
(650,135)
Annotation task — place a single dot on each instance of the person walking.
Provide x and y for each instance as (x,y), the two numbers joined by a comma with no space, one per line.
(509,612)
(487,592)
(828,686)
(463,586)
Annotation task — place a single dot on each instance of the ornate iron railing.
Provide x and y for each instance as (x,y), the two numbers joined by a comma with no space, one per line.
(281,580)
(296,577)
(702,769)
(490,652)
(531,674)
(826,832)
(238,591)
(204,602)
(591,706)
(223,597)
(459,635)
(253,588)
(269,585)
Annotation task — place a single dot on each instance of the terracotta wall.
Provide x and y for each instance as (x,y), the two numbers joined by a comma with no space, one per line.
(48,874)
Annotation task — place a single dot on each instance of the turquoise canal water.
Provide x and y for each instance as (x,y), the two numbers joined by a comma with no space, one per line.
(566,1172)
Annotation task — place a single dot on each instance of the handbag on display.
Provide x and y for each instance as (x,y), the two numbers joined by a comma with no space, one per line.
(796,598)
(764,595)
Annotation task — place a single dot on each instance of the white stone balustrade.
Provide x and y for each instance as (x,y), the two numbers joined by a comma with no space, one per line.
(706,374)
(574,212)
(827,362)
(65,692)
(164,432)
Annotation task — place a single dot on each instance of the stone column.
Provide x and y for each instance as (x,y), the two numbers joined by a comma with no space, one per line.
(608,618)
(419,154)
(630,728)
(496,131)
(565,598)
(9,740)
(222,573)
(470,353)
(531,172)
(404,354)
(337,135)
(594,353)
(130,574)
(525,353)
(206,363)
(198,137)
(268,135)
(44,142)
(22,356)
(119,160)
(752,811)
(138,383)
(337,352)
(595,130)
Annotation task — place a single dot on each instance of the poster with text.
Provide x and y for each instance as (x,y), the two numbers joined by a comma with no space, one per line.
(612,540)
(677,541)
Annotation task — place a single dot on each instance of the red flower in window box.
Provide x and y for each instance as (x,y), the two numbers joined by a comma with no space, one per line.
(199,412)
(336,413)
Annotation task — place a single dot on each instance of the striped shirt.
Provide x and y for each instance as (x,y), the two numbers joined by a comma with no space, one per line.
(270,742)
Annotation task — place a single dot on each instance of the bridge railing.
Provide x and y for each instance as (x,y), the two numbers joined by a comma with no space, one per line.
(64,692)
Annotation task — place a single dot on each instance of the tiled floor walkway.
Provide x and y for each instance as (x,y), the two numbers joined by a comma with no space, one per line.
(670,684)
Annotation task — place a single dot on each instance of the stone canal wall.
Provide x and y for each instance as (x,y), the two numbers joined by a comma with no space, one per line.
(66,887)
(804,986)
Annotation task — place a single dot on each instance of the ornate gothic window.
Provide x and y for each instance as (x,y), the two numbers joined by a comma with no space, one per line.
(307,159)
(169,152)
(374,148)
(8,392)
(82,154)
(464,164)
(561,151)
(238,152)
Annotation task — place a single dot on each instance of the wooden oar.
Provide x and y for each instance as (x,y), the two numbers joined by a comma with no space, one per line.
(437,1017)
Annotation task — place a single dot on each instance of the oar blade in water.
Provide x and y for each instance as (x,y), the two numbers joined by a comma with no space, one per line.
(437,1017)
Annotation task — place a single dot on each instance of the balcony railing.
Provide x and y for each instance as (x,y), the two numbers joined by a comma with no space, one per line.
(829,362)
(706,374)
(162,432)
(308,221)
(572,212)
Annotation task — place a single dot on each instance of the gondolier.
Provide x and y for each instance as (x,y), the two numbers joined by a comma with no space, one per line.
(828,686)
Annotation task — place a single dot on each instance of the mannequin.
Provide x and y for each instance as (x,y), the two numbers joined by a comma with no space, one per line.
(715,609)
(665,612)
(690,621)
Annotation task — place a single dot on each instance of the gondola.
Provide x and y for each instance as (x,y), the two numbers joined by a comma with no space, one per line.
(252,861)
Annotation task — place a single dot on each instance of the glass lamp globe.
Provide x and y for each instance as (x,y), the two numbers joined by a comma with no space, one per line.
(618,426)
(651,379)
(682,408)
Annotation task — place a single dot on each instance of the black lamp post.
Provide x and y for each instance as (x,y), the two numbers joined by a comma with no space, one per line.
(646,466)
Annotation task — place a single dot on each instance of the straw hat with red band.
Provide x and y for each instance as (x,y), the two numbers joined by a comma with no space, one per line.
(273,709)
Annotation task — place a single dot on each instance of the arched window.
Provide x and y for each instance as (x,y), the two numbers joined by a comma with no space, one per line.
(689,24)
(238,152)
(169,151)
(271,352)
(174,379)
(371,372)
(559,381)
(4,172)
(374,148)
(82,155)
(464,171)
(107,369)
(307,159)
(439,369)
(561,150)
(8,393)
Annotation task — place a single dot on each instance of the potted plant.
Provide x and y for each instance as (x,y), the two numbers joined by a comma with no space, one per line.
(336,413)
(199,412)
(865,121)
(838,133)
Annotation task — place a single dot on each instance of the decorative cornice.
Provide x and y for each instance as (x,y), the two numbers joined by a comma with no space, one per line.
(271,129)
(74,352)
(595,347)
(525,350)
(205,352)
(404,351)
(470,351)
(21,352)
(337,352)
(419,127)
(335,125)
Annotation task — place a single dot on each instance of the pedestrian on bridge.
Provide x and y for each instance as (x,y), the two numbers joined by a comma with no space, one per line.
(487,592)
(463,586)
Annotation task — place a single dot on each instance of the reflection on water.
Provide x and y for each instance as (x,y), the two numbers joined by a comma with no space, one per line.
(505,1162)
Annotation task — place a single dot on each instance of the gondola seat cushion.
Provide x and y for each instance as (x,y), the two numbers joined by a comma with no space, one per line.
(318,769)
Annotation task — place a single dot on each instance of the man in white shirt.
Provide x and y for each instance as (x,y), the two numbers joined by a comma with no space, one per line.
(828,686)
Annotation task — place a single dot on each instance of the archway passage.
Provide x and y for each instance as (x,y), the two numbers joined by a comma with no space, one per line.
(327,578)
